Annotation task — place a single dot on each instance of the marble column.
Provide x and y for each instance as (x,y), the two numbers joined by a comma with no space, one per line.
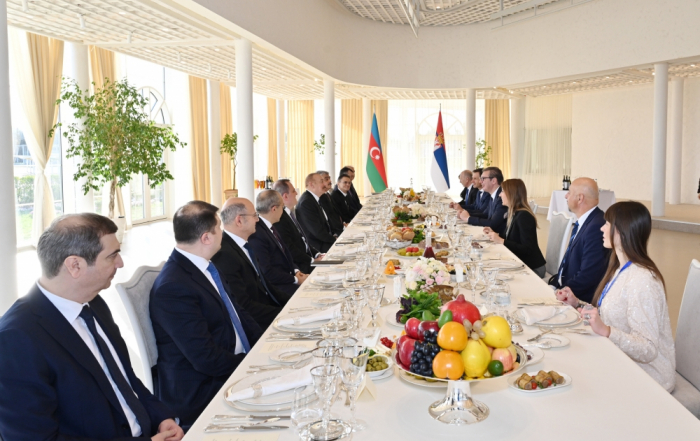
(215,183)
(658,157)
(245,171)
(471,129)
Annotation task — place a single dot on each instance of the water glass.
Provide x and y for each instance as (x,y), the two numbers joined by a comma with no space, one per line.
(351,277)
(473,275)
(327,355)
(500,297)
(375,293)
(325,378)
(353,364)
(490,276)
(306,410)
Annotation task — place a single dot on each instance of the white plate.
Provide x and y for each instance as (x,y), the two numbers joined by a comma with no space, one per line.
(277,399)
(386,374)
(327,283)
(570,318)
(567,382)
(536,353)
(327,301)
(421,382)
(505,277)
(504,265)
(390,364)
(390,319)
(313,326)
(553,340)
(275,356)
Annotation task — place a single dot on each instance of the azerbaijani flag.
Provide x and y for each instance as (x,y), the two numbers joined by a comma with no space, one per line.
(375,159)
(438,168)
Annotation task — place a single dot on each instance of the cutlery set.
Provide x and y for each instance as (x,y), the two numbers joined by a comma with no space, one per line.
(226,423)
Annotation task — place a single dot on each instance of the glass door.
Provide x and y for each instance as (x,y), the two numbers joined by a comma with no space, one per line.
(147,204)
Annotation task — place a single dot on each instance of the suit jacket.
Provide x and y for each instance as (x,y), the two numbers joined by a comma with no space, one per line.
(468,198)
(354,199)
(195,337)
(294,240)
(235,268)
(585,260)
(51,384)
(274,259)
(310,216)
(481,203)
(342,204)
(334,217)
(495,217)
(522,240)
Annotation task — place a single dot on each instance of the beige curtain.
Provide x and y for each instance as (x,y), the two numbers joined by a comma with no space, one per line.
(200,139)
(351,140)
(497,134)
(381,109)
(38,66)
(227,170)
(301,160)
(272,138)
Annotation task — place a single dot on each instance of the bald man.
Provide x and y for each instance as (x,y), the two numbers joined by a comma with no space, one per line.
(585,260)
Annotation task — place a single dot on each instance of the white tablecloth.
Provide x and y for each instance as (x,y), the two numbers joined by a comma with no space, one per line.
(558,201)
(610,398)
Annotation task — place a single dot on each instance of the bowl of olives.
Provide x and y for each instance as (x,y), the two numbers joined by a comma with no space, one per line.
(378,365)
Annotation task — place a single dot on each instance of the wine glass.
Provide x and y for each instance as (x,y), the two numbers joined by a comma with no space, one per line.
(500,297)
(375,293)
(362,265)
(324,378)
(305,411)
(473,277)
(353,363)
(490,275)
(327,355)
(351,277)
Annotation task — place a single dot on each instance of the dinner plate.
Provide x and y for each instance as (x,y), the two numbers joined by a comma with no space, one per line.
(505,277)
(570,318)
(327,301)
(390,318)
(421,382)
(503,265)
(536,354)
(276,355)
(552,341)
(327,283)
(313,326)
(567,382)
(274,400)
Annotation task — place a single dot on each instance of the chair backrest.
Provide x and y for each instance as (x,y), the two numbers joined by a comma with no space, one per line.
(135,295)
(688,329)
(533,206)
(559,228)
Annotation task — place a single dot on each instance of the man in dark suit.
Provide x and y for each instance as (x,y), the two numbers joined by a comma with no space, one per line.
(328,204)
(341,198)
(65,372)
(312,217)
(236,265)
(465,178)
(290,229)
(476,202)
(354,198)
(201,332)
(495,216)
(276,262)
(585,260)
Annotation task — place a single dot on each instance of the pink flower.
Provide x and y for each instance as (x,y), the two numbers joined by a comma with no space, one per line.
(429,281)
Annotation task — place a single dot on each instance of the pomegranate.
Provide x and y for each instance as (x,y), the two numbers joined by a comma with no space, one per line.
(462,309)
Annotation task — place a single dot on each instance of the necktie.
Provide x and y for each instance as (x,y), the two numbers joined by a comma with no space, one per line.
(571,240)
(260,274)
(237,325)
(301,231)
(277,237)
(124,388)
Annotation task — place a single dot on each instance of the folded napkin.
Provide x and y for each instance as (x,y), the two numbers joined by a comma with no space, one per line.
(326,314)
(330,277)
(536,314)
(292,380)
(349,250)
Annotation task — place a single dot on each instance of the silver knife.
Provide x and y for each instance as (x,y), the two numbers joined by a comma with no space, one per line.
(248,417)
(537,337)
(224,428)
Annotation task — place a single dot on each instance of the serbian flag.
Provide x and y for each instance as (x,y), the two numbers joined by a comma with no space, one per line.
(375,159)
(438,168)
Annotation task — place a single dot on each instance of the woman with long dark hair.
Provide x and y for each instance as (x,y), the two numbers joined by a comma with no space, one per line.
(629,306)
(520,235)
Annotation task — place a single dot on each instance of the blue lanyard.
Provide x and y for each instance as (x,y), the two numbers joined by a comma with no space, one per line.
(612,282)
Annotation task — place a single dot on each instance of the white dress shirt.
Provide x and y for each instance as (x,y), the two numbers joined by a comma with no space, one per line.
(268,224)
(241,242)
(71,311)
(319,204)
(580,221)
(202,264)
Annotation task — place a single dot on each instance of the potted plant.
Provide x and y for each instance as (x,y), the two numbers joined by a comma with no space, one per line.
(483,154)
(229,144)
(114,138)
(320,145)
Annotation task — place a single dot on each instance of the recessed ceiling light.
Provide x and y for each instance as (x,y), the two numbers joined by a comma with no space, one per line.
(607,78)
(82,32)
(653,73)
(629,81)
(217,49)
(574,82)
(692,65)
(544,87)
(122,13)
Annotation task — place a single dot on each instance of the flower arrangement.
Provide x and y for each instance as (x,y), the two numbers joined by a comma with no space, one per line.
(418,209)
(426,272)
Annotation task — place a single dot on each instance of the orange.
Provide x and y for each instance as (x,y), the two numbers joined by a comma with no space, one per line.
(448,364)
(452,336)
(390,270)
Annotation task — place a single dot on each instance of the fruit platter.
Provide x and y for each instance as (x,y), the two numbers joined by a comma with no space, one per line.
(410,252)
(459,345)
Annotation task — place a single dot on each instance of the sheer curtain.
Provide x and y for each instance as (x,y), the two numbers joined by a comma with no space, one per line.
(497,134)
(200,139)
(38,66)
(227,169)
(300,141)
(351,140)
(411,126)
(547,156)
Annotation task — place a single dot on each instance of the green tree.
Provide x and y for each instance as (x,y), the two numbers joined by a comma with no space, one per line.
(483,154)
(114,137)
(229,144)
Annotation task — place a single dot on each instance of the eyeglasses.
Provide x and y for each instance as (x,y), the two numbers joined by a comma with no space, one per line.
(486,177)
(256,214)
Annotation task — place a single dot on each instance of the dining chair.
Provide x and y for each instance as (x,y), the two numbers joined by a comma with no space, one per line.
(688,344)
(533,206)
(135,295)
(559,229)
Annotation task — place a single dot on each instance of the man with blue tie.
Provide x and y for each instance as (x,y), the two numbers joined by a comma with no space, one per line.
(201,332)
(239,267)
(496,215)
(276,262)
(65,372)
(585,260)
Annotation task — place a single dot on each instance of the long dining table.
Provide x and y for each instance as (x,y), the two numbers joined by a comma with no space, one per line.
(610,397)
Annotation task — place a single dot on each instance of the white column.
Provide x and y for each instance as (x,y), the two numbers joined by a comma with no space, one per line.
(471,129)
(366,129)
(517,134)
(658,157)
(281,141)
(329,107)
(244,115)
(215,184)
(676,127)
(8,240)
(76,67)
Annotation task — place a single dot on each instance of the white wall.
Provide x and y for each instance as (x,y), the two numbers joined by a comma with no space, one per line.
(612,140)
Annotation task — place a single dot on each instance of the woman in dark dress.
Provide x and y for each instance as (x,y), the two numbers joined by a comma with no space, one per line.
(520,236)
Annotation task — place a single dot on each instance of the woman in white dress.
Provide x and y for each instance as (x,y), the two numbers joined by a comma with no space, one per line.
(629,306)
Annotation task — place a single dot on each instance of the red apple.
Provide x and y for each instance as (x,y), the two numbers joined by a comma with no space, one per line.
(427,325)
(406,350)
(462,310)
(505,357)
(411,328)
